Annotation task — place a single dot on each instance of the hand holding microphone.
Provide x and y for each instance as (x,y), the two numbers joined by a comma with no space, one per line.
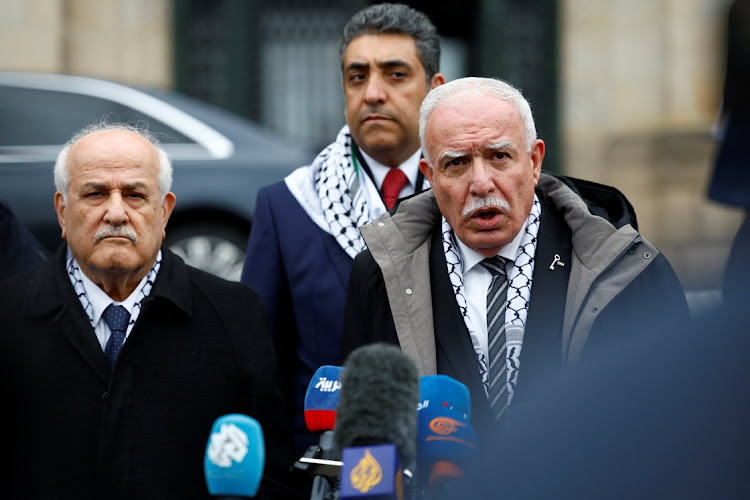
(235,457)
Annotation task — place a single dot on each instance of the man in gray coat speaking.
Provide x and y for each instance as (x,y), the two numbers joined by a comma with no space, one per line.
(502,275)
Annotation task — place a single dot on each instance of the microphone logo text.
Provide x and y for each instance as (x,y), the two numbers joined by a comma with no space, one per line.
(325,385)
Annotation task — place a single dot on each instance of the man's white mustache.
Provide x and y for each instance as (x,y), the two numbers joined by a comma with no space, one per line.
(116,231)
(486,201)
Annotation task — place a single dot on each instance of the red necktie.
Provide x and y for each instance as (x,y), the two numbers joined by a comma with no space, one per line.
(392,185)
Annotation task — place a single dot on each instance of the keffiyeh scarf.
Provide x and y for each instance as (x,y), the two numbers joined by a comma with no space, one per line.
(519,294)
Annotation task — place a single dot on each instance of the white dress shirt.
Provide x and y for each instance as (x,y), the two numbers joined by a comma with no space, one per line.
(477,281)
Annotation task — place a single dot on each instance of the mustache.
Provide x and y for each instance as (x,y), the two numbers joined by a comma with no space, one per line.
(485,201)
(377,110)
(116,231)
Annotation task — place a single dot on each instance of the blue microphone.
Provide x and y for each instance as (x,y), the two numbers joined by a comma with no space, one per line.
(235,456)
(322,398)
(446,446)
(442,391)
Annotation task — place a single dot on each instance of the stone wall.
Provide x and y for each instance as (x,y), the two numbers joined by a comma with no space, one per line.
(641,85)
(125,40)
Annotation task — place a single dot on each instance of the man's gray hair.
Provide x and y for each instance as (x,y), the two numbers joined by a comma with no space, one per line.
(456,92)
(62,175)
(399,19)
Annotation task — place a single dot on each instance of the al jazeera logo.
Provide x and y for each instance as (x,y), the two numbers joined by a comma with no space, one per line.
(366,474)
(445,428)
(374,471)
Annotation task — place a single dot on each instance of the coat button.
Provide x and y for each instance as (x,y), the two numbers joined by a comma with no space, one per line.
(408,291)
(646,255)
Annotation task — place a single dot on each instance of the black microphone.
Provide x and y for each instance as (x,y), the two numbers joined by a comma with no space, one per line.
(376,422)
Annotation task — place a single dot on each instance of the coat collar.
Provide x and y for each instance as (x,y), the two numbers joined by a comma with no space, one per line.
(172,284)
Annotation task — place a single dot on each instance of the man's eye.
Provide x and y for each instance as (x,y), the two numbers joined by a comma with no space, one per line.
(398,74)
(454,162)
(93,194)
(135,195)
(358,77)
(500,155)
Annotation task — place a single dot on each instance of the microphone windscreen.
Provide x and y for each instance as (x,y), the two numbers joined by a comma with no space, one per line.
(442,391)
(379,396)
(321,398)
(235,456)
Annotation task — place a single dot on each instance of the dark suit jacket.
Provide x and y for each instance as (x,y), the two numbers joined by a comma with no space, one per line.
(368,318)
(301,274)
(77,429)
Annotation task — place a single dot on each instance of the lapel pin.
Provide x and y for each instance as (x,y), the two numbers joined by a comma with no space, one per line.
(557,261)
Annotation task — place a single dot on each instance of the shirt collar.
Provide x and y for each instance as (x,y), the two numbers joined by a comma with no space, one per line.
(410,167)
(99,300)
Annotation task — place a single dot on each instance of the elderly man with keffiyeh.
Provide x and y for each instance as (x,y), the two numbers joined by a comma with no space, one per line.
(503,275)
(306,229)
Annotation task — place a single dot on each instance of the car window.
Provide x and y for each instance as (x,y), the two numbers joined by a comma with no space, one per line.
(33,117)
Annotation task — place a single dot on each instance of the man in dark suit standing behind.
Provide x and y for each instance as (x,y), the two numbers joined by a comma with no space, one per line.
(115,356)
(305,231)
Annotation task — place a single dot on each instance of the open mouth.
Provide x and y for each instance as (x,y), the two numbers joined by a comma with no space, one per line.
(485,213)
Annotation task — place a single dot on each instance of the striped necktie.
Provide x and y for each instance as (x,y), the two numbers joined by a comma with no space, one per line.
(497,303)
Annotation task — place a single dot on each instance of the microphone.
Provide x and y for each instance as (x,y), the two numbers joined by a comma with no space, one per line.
(376,425)
(235,456)
(321,399)
(447,444)
(442,391)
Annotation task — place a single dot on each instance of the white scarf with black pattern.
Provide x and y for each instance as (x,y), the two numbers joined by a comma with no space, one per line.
(331,193)
(519,295)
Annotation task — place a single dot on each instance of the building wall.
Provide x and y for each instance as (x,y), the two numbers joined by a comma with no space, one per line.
(126,40)
(641,84)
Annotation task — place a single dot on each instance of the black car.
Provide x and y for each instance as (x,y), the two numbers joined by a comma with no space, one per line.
(220,160)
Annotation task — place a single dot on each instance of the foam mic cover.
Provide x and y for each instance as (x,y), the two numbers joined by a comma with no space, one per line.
(235,456)
(379,395)
(442,391)
(321,398)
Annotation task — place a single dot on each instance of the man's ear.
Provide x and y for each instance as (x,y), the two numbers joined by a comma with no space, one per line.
(167,206)
(426,170)
(437,80)
(537,155)
(59,208)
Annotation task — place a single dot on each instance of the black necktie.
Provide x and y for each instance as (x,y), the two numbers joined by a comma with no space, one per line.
(117,318)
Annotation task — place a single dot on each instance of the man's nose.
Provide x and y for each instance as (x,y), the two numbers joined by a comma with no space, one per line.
(117,212)
(481,177)
(375,91)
